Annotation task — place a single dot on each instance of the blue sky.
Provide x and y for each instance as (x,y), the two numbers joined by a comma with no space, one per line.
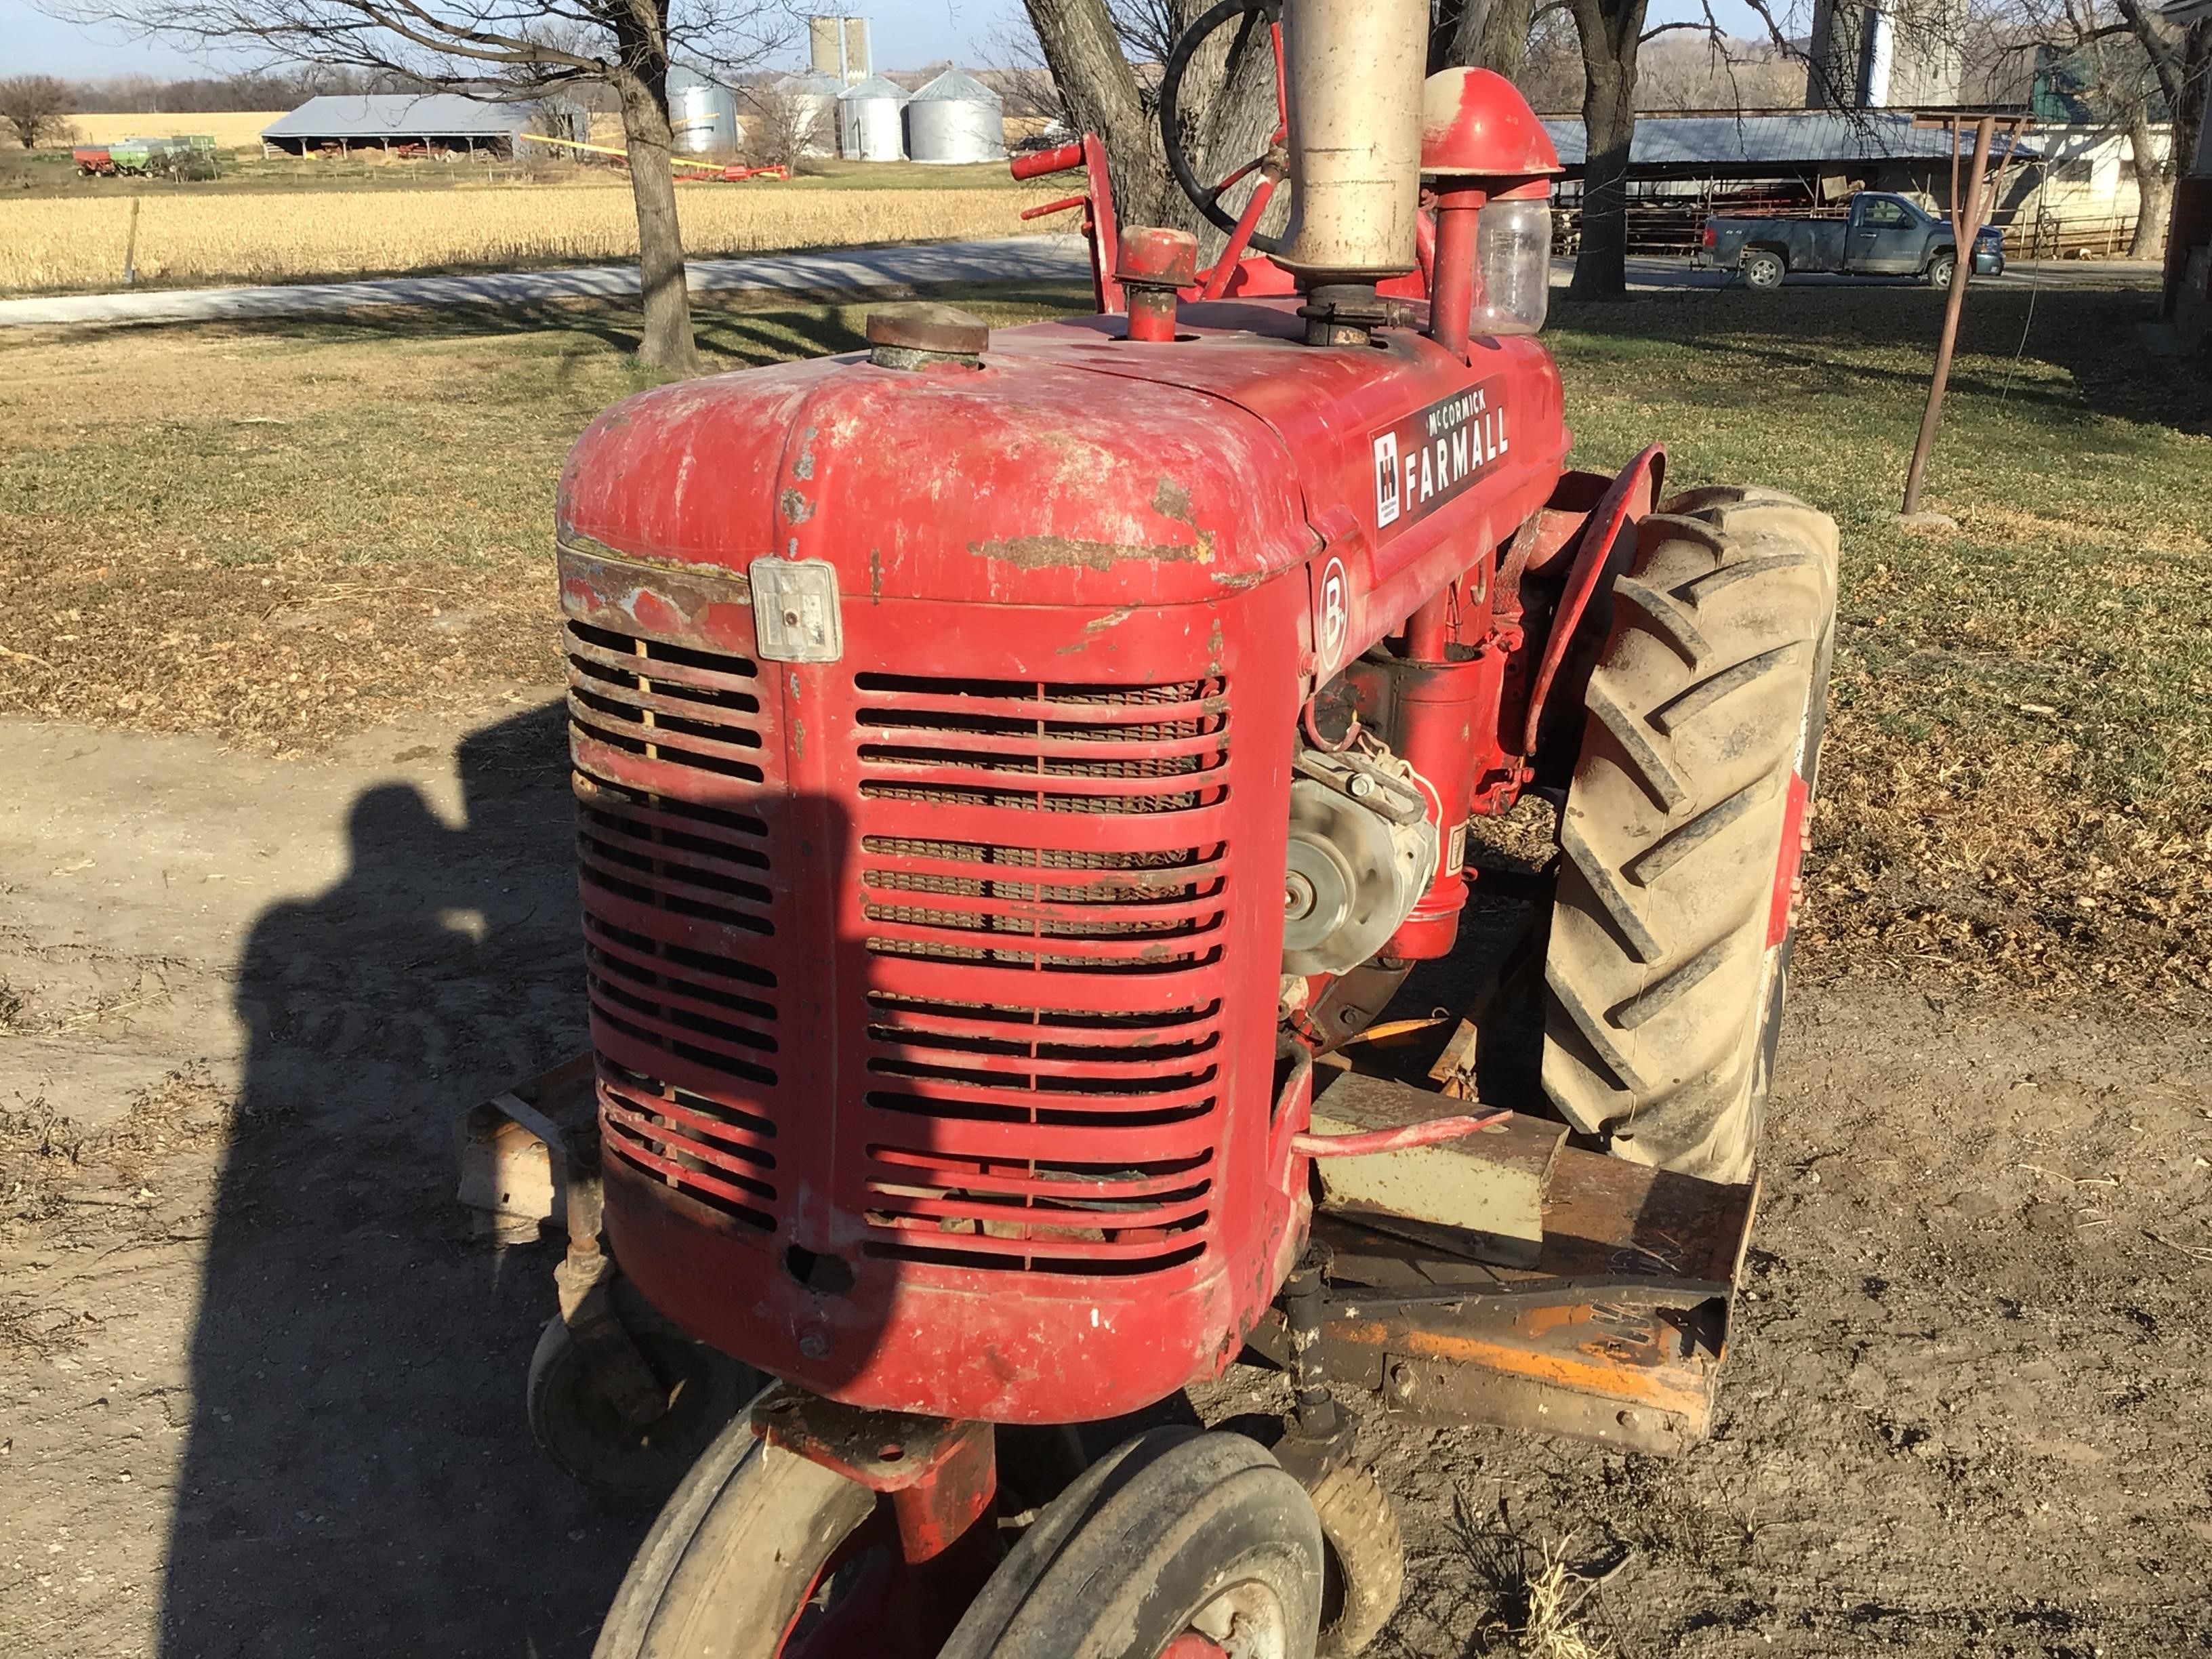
(908,33)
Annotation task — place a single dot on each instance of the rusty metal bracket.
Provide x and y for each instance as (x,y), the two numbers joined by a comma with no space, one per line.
(615,1368)
(531,1155)
(941,1476)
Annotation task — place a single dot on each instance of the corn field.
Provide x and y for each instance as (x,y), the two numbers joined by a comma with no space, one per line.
(76,243)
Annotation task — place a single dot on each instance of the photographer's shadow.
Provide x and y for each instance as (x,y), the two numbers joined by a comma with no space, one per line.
(358,1476)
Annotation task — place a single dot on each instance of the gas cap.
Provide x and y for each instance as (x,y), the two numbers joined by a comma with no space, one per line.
(916,336)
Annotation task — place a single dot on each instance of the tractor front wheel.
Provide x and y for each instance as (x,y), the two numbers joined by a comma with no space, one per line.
(1672,925)
(1179,1545)
(760,1554)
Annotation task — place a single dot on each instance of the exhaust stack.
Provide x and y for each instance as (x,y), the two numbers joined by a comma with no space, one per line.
(1352,73)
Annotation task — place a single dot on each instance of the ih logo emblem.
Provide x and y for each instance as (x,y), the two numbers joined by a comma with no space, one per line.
(1386,478)
(1331,616)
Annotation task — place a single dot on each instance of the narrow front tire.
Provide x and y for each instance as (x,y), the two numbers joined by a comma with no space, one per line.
(749,1546)
(1178,1544)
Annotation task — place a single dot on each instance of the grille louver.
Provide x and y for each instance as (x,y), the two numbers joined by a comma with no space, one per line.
(675,897)
(1094,968)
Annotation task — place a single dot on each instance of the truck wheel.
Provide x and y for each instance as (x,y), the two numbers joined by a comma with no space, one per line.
(1180,1544)
(578,1428)
(1763,269)
(1672,925)
(759,1554)
(1941,270)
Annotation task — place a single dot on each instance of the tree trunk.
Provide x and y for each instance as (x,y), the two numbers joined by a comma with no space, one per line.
(2190,108)
(1227,111)
(1084,55)
(2153,189)
(666,342)
(1611,32)
(1492,34)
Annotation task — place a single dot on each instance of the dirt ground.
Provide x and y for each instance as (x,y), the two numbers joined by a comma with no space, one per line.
(263,1395)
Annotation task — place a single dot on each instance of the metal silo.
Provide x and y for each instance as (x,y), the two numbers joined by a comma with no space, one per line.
(703,113)
(956,117)
(868,121)
(814,100)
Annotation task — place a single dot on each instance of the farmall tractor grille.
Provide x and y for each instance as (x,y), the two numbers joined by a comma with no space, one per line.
(676,911)
(1043,893)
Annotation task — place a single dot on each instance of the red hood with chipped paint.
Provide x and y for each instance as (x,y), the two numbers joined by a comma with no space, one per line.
(1073,468)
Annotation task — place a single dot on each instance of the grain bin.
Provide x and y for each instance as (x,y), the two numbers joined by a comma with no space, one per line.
(956,117)
(703,113)
(868,121)
(811,100)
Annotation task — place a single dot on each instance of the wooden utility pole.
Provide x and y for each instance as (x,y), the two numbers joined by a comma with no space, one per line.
(1970,211)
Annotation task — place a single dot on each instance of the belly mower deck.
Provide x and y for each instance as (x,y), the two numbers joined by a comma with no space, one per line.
(1609,1324)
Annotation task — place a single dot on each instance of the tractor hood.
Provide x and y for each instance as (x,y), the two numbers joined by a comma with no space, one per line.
(1074,467)
(1025,481)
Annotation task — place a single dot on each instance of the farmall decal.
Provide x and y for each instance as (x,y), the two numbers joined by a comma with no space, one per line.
(1430,457)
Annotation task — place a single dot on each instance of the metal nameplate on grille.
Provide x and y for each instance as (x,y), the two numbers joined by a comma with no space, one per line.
(795,610)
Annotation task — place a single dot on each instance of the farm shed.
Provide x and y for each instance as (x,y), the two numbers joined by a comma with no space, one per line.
(428,121)
(1683,167)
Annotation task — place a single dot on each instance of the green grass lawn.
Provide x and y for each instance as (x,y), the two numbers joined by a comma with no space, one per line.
(285,531)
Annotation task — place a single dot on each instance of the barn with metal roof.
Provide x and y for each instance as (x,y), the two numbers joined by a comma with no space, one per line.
(1683,167)
(435,121)
(1716,146)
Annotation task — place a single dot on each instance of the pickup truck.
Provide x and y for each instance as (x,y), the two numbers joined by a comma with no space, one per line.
(1884,235)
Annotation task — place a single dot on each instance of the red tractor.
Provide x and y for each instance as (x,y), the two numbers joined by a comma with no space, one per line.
(1016,771)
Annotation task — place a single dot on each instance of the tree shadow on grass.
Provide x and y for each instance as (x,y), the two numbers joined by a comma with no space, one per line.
(1824,341)
(733,331)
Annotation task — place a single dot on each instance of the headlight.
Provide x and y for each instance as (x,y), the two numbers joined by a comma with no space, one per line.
(1513,267)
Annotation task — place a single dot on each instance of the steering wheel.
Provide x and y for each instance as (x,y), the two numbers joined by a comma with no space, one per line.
(1270,164)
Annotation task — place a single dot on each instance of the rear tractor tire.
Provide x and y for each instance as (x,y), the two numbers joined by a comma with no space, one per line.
(1672,925)
(1763,269)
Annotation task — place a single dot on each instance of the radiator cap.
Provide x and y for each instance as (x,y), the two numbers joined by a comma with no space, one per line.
(933,331)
